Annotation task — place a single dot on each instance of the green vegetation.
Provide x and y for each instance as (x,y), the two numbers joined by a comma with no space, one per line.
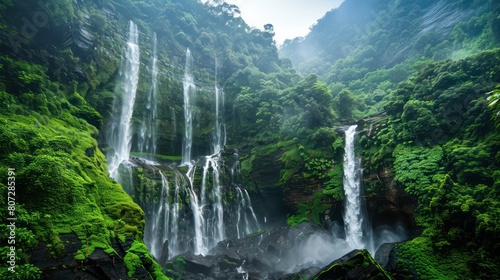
(310,211)
(138,256)
(364,53)
(433,86)
(360,260)
(175,269)
(448,162)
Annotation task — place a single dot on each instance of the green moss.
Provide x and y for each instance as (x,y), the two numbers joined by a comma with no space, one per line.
(132,262)
(160,157)
(309,211)
(138,256)
(292,162)
(175,269)
(70,187)
(362,258)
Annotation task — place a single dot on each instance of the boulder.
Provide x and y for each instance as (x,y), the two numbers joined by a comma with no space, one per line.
(385,256)
(358,264)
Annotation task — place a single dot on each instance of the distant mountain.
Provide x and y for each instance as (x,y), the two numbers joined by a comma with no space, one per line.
(380,34)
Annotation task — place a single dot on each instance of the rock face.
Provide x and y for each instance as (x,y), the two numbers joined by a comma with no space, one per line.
(390,205)
(386,257)
(98,265)
(284,253)
(358,264)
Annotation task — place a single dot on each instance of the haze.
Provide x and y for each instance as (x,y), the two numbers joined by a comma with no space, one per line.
(290,18)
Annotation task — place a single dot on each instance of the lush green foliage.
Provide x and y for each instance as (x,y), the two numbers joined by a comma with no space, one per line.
(370,50)
(448,162)
(360,260)
(438,137)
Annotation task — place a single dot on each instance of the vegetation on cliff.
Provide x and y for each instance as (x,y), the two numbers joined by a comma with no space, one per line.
(448,159)
(435,82)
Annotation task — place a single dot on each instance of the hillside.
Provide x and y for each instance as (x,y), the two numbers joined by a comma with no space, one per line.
(152,139)
(370,50)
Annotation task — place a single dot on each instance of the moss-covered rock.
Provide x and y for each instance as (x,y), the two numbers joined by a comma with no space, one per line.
(358,264)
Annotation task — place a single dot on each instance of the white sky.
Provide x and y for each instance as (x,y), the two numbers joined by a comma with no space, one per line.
(290,18)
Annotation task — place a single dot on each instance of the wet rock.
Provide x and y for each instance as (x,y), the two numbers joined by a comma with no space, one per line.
(98,265)
(262,256)
(198,264)
(164,253)
(385,256)
(358,264)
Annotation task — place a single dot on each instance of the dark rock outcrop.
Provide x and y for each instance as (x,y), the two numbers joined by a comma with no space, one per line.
(98,265)
(357,264)
(282,253)
(386,257)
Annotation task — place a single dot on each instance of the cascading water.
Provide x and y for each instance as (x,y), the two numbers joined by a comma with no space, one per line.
(157,228)
(213,227)
(121,133)
(189,94)
(174,129)
(219,136)
(197,210)
(160,198)
(355,221)
(246,220)
(191,215)
(147,133)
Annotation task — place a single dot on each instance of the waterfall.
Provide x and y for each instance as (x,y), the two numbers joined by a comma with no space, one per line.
(197,210)
(214,230)
(157,228)
(174,246)
(147,132)
(174,129)
(353,220)
(219,135)
(121,132)
(246,220)
(160,200)
(185,212)
(189,94)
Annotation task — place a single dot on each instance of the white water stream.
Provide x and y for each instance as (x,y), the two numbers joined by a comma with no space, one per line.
(120,136)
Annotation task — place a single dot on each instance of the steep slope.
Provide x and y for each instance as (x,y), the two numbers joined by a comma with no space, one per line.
(438,143)
(384,33)
(369,47)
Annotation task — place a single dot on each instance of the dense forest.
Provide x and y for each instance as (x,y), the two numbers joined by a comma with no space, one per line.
(420,79)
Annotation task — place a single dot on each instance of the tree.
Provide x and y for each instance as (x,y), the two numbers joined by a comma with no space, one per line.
(345,104)
(418,121)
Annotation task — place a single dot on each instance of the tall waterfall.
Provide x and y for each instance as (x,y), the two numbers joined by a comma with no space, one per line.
(189,94)
(147,133)
(185,211)
(353,219)
(219,135)
(121,132)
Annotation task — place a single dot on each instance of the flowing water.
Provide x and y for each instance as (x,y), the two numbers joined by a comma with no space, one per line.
(219,135)
(183,212)
(189,95)
(158,224)
(148,130)
(353,219)
(120,135)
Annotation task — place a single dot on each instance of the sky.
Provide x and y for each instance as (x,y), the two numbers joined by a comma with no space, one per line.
(290,18)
